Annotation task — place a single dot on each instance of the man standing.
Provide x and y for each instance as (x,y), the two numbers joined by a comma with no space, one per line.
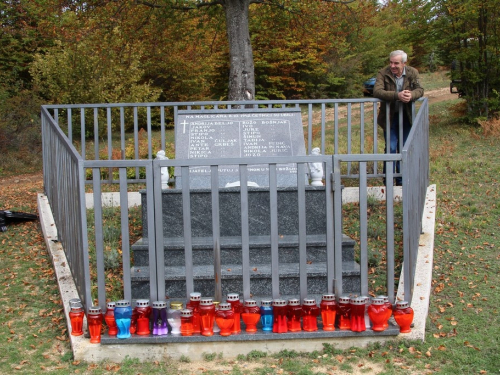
(396,84)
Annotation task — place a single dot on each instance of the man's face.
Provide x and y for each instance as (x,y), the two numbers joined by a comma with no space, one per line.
(397,65)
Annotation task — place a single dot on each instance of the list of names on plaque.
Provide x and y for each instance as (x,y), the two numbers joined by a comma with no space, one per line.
(246,138)
(212,139)
(239,135)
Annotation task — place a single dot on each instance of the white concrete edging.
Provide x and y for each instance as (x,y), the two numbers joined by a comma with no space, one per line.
(423,270)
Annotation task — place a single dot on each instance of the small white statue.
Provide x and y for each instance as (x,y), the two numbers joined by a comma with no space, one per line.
(160,155)
(316,169)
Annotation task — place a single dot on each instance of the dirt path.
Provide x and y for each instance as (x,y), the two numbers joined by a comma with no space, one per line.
(440,95)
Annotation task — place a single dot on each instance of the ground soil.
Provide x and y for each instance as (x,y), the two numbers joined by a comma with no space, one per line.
(440,95)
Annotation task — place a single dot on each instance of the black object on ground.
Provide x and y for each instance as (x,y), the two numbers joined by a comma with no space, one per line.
(8,217)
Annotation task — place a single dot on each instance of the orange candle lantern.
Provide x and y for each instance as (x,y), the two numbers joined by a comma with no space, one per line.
(358,314)
(236,306)
(279,316)
(403,314)
(186,322)
(194,306)
(224,318)
(250,315)
(109,318)
(143,315)
(294,313)
(328,307)
(76,318)
(94,321)
(310,313)
(344,313)
(377,312)
(207,316)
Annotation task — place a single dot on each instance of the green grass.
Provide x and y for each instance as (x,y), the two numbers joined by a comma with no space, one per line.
(112,246)
(463,328)
(435,80)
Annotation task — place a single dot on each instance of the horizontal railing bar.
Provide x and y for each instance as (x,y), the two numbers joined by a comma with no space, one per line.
(242,161)
(369,157)
(208,103)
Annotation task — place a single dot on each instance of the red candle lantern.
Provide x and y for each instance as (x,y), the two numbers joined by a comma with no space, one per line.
(236,306)
(358,314)
(109,318)
(186,322)
(294,313)
(387,304)
(207,316)
(76,318)
(143,315)
(377,312)
(403,314)
(224,317)
(94,321)
(250,315)
(310,313)
(344,313)
(328,307)
(194,306)
(279,316)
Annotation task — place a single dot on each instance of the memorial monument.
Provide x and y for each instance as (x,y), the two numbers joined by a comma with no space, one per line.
(242,134)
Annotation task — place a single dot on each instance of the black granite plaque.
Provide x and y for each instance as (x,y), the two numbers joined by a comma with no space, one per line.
(234,134)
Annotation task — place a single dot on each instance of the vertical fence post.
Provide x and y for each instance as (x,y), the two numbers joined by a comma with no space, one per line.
(301,198)
(363,232)
(245,231)
(337,205)
(159,263)
(216,231)
(186,217)
(273,202)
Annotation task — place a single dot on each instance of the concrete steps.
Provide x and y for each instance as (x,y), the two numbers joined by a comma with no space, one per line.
(231,258)
(259,229)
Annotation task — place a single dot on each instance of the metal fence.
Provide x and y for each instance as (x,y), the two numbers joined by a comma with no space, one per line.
(345,130)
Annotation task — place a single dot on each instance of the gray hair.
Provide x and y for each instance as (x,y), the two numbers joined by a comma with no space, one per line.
(404,56)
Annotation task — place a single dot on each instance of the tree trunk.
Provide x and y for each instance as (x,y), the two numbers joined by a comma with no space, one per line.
(241,71)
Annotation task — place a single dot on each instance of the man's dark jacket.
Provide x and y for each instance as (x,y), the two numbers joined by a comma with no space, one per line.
(385,89)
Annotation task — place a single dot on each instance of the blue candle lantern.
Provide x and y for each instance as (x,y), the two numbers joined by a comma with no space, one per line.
(266,315)
(123,317)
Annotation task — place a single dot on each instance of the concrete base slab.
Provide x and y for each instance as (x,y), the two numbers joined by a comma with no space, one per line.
(85,351)
(230,349)
(349,195)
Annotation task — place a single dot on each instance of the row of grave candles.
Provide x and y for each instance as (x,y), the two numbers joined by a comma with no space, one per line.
(206,317)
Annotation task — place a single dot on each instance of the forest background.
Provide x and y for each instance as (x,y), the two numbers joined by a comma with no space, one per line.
(104,51)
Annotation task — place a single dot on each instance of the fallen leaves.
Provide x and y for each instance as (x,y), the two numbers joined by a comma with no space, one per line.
(468,344)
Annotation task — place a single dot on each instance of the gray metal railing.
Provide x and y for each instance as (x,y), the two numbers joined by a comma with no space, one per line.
(66,174)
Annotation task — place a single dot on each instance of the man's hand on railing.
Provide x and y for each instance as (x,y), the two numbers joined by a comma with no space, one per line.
(405,96)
